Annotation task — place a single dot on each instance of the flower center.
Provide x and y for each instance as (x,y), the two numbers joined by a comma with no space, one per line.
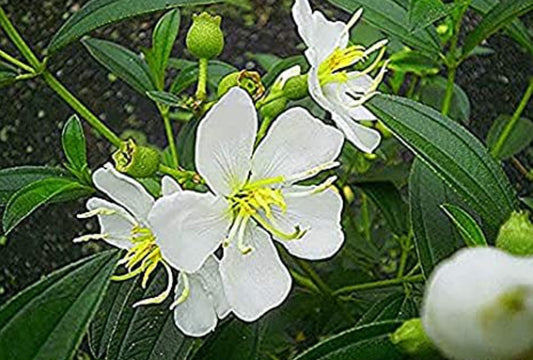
(259,204)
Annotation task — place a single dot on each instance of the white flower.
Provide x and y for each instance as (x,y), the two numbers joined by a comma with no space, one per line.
(479,305)
(338,91)
(254,200)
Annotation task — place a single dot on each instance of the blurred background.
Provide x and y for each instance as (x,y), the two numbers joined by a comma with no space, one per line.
(32,116)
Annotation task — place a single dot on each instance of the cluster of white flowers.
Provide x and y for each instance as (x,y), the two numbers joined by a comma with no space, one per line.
(222,241)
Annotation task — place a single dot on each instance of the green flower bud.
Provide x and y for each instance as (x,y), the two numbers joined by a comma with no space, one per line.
(516,235)
(296,87)
(137,161)
(205,39)
(247,80)
(411,339)
(272,109)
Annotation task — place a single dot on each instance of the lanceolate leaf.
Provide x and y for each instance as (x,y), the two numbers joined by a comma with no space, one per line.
(122,332)
(368,342)
(388,308)
(436,238)
(392,18)
(454,153)
(164,98)
(234,340)
(97,13)
(122,62)
(48,320)
(499,16)
(432,93)
(467,225)
(389,201)
(423,13)
(36,194)
(74,144)
(14,179)
(516,29)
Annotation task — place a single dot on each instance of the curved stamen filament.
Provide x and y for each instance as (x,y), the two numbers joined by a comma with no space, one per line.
(243,248)
(90,237)
(233,230)
(296,235)
(310,173)
(185,293)
(161,297)
(315,190)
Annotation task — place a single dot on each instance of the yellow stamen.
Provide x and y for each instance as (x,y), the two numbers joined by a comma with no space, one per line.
(184,294)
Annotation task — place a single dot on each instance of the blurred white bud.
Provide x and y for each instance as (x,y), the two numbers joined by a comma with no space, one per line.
(479,305)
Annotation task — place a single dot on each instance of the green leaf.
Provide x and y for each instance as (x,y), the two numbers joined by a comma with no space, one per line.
(388,308)
(389,201)
(436,238)
(266,61)
(453,153)
(392,18)
(188,76)
(516,29)
(8,74)
(499,16)
(518,140)
(48,320)
(74,144)
(97,13)
(423,13)
(121,332)
(432,93)
(14,179)
(528,201)
(163,39)
(36,194)
(165,98)
(467,225)
(409,61)
(233,340)
(122,62)
(368,342)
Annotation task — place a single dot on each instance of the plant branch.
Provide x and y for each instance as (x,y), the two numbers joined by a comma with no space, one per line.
(18,41)
(508,129)
(16,62)
(379,284)
(170,135)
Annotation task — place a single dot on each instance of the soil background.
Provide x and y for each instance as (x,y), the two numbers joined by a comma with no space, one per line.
(32,116)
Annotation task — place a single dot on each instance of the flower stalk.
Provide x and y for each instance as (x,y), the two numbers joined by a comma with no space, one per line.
(164,110)
(379,284)
(201,92)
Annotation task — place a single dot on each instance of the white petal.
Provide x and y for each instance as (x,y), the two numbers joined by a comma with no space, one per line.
(169,186)
(320,215)
(320,35)
(225,142)
(256,282)
(463,311)
(209,274)
(188,227)
(196,316)
(116,226)
(360,136)
(124,190)
(296,142)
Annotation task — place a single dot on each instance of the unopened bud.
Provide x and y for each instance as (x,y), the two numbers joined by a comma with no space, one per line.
(296,87)
(273,108)
(205,39)
(412,340)
(516,235)
(136,161)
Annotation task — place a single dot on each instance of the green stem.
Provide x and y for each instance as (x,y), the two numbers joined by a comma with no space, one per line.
(170,135)
(75,104)
(403,262)
(304,281)
(28,54)
(452,71)
(379,284)
(321,285)
(17,40)
(16,62)
(508,129)
(365,217)
(265,124)
(201,92)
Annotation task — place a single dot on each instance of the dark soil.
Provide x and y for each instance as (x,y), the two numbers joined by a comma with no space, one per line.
(31,115)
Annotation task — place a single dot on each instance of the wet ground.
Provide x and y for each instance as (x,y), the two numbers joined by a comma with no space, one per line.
(31,116)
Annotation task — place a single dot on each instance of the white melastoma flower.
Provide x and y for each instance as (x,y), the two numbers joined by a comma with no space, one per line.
(479,306)
(335,89)
(125,224)
(254,201)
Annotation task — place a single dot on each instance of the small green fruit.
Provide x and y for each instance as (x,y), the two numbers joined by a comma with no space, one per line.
(205,39)
(272,109)
(516,235)
(137,161)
